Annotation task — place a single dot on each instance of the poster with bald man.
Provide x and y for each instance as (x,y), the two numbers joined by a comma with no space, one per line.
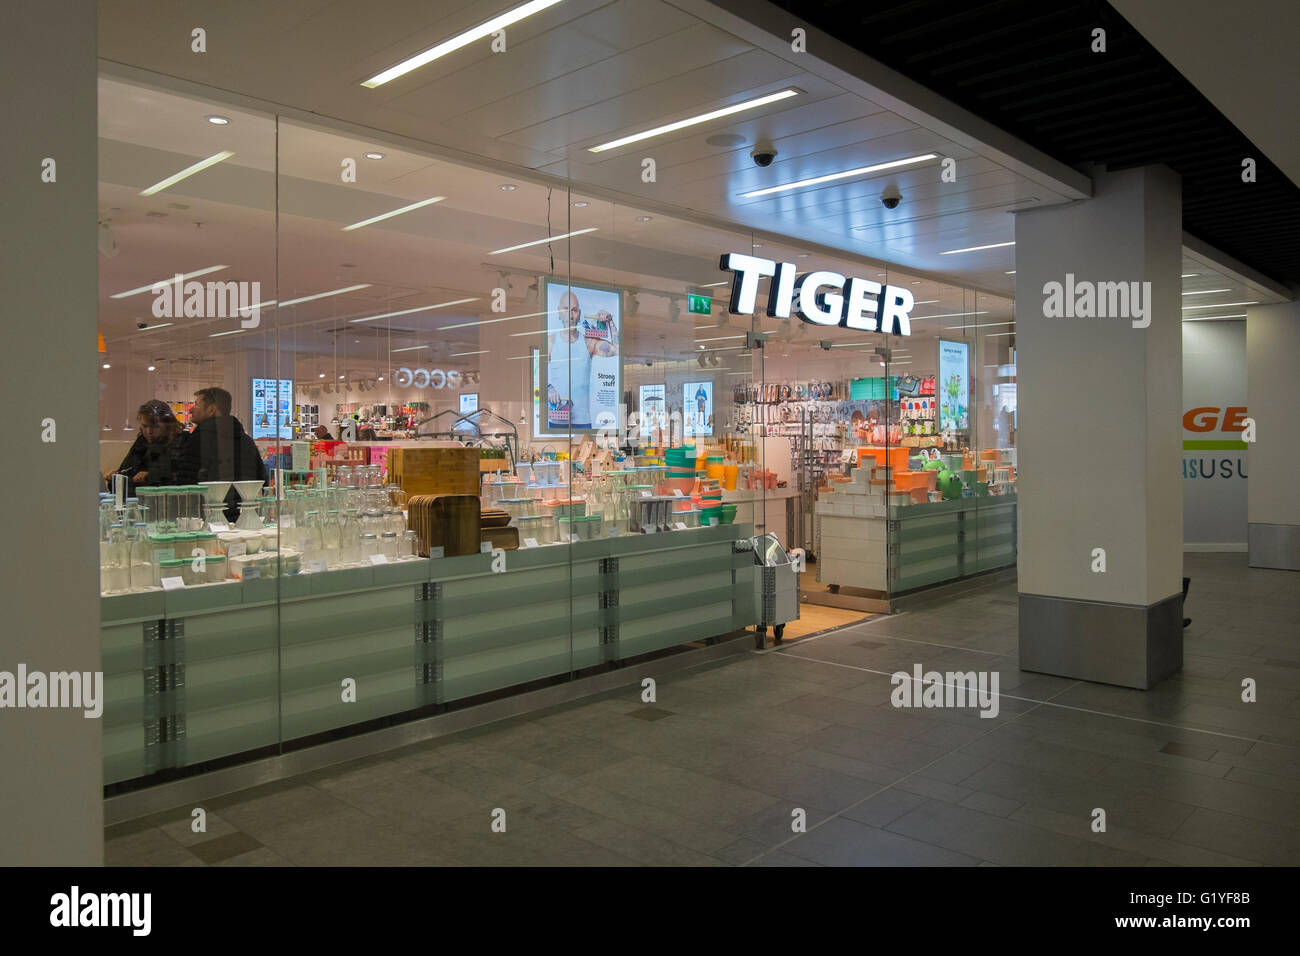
(583,365)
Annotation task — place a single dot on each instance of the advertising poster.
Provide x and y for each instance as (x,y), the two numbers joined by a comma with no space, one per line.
(697,408)
(653,408)
(583,366)
(954,386)
(272,407)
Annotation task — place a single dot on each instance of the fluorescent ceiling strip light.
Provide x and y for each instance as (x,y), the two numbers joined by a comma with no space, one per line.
(925,302)
(409,348)
(846,174)
(720,348)
(1012,272)
(1206,318)
(714,285)
(1189,275)
(322,295)
(160,325)
(484,29)
(168,281)
(995,245)
(541,242)
(950,315)
(720,338)
(1207,292)
(479,352)
(423,308)
(695,120)
(1218,305)
(187,172)
(508,318)
(993,335)
(986,325)
(516,358)
(231,332)
(395,212)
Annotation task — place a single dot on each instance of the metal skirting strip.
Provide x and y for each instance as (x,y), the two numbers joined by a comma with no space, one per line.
(192,790)
(1274,546)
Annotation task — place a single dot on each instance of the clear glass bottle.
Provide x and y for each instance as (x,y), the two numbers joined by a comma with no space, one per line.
(313,541)
(143,572)
(115,574)
(350,537)
(410,544)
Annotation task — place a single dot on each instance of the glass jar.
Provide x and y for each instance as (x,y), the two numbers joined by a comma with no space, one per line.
(388,545)
(143,572)
(115,571)
(349,537)
(369,546)
(410,546)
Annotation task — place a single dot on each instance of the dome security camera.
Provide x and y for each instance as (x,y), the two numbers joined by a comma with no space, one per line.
(763,154)
(891,197)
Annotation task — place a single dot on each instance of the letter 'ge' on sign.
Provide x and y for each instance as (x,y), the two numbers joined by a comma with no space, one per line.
(822,297)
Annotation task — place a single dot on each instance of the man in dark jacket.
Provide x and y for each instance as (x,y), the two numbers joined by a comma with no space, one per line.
(218,449)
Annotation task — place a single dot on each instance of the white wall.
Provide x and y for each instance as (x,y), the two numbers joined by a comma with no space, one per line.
(1273,353)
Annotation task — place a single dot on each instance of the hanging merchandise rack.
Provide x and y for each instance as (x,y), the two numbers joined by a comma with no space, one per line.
(475,434)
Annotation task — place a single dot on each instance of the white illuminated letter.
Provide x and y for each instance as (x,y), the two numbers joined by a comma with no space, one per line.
(415,378)
(781,291)
(744,288)
(820,308)
(862,295)
(895,304)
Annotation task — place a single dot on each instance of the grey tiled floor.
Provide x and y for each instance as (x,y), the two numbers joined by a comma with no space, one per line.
(713,773)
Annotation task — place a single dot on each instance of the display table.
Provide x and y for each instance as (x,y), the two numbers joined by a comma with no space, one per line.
(215,670)
(916,545)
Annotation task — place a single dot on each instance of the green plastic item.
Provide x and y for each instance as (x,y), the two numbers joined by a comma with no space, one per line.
(949,485)
(935,464)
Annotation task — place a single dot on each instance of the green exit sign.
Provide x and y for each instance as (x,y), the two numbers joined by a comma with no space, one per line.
(699,304)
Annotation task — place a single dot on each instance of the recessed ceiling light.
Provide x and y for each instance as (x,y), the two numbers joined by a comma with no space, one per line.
(423,308)
(217,335)
(581,204)
(106,365)
(694,120)
(487,28)
(1218,305)
(151,368)
(1207,318)
(758,245)
(541,242)
(714,285)
(340,378)
(1189,275)
(845,174)
(916,282)
(994,245)
(1011,272)
(322,295)
(508,187)
(395,212)
(1207,292)
(380,379)
(216,120)
(410,348)
(460,354)
(508,318)
(804,255)
(373,155)
(644,218)
(187,172)
(167,281)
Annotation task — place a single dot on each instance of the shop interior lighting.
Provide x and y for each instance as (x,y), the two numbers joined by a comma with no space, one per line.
(485,29)
(516,335)
(409,348)
(1207,292)
(396,212)
(508,318)
(1011,272)
(986,325)
(218,120)
(168,280)
(374,155)
(159,325)
(1209,318)
(1218,305)
(714,285)
(106,365)
(152,368)
(993,245)
(187,172)
(461,354)
(1189,275)
(721,338)
(845,174)
(695,120)
(324,295)
(994,335)
(215,335)
(950,315)
(423,308)
(541,242)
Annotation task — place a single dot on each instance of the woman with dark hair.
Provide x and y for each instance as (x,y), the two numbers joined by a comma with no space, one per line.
(152,459)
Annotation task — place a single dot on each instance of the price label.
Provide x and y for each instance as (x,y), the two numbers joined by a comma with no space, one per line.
(236,549)
(316,567)
(252,572)
(644,493)
(530,542)
(218,526)
(379,559)
(681,526)
(573,538)
(438,552)
(172,584)
(677,492)
(485,547)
